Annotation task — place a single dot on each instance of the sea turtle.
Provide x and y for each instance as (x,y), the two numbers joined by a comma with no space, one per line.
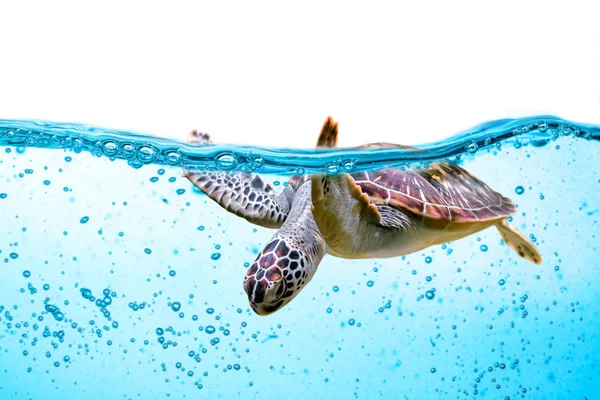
(376,214)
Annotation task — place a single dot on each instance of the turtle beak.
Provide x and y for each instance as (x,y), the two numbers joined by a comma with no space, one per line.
(267,309)
(263,299)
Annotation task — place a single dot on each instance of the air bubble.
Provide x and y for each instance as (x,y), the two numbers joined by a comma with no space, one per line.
(110,148)
(226,161)
(472,147)
(519,190)
(127,150)
(256,164)
(348,166)
(171,158)
(51,308)
(210,329)
(146,154)
(332,169)
(77,145)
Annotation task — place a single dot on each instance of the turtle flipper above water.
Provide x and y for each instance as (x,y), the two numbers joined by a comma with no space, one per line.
(243,194)
(329,134)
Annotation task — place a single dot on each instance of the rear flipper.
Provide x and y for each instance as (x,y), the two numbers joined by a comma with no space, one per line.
(519,243)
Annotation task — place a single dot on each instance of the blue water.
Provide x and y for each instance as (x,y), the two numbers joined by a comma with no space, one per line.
(120,282)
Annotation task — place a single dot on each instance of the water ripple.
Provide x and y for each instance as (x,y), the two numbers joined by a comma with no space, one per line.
(139,150)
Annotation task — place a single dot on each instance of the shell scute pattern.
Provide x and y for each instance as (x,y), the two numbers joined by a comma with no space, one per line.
(442,191)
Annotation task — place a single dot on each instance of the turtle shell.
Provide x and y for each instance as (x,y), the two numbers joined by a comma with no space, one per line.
(443,191)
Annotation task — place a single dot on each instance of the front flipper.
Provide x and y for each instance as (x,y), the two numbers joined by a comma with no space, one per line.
(243,194)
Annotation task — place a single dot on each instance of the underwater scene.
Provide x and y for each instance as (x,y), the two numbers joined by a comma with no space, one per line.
(121,280)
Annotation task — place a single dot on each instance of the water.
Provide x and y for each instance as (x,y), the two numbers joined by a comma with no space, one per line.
(120,282)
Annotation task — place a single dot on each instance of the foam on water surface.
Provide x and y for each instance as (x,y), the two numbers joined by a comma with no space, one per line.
(121,282)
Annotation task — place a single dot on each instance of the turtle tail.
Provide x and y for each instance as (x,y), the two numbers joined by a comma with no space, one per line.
(518,242)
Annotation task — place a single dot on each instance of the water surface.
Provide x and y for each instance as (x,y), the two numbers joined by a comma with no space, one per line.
(121,282)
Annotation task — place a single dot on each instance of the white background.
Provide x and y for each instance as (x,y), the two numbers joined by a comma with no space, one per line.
(268,73)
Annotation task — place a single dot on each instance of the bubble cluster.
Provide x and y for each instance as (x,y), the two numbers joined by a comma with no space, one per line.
(463,319)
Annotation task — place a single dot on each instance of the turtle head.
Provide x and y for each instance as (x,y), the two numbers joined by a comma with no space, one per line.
(277,275)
